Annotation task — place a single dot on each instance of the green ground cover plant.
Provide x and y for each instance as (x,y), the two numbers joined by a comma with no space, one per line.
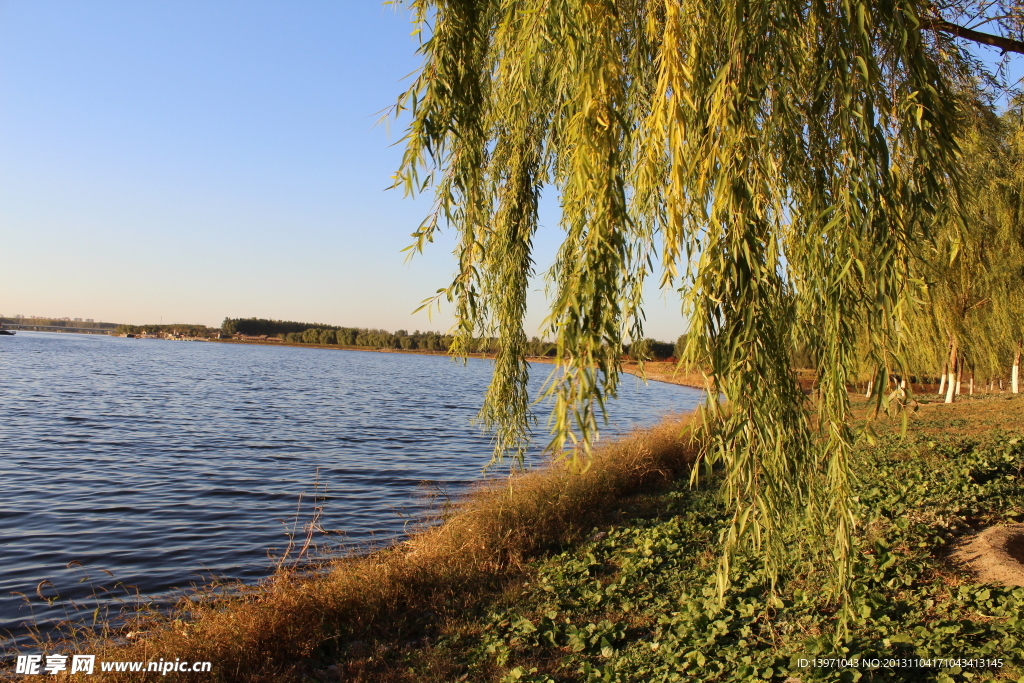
(638,602)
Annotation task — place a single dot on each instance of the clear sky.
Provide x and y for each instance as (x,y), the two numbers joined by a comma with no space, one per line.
(192,160)
(189,160)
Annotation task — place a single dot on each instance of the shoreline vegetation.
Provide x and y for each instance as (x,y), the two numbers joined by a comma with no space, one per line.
(288,332)
(607,575)
(660,368)
(659,358)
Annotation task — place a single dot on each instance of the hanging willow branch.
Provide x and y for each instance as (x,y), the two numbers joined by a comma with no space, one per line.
(780,157)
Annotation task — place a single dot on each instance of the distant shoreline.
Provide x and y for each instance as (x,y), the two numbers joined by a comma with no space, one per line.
(655,371)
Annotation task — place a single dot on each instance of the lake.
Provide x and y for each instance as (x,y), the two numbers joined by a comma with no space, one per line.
(165,463)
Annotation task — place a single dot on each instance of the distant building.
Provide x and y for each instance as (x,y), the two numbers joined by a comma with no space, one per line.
(89,320)
(78,320)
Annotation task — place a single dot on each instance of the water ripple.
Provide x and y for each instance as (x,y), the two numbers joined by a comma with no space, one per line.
(164,463)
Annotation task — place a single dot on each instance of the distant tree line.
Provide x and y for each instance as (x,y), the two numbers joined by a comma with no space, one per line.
(334,335)
(318,333)
(372,338)
(254,327)
(652,349)
(358,337)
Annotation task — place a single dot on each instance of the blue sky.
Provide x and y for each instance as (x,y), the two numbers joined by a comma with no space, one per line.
(188,161)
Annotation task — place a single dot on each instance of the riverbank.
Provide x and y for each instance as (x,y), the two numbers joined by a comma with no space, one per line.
(608,576)
(174,463)
(638,602)
(667,372)
(365,605)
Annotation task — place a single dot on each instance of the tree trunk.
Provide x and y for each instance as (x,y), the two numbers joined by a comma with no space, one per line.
(942,381)
(952,372)
(1015,373)
(871,385)
(959,375)
(951,379)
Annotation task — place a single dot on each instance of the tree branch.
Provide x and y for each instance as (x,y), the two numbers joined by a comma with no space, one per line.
(1004,44)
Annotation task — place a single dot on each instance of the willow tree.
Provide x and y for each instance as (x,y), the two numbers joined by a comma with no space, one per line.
(1011,299)
(973,270)
(780,158)
(992,242)
(963,268)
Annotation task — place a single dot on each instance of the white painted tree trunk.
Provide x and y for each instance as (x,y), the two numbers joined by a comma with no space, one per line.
(1015,372)
(942,382)
(959,376)
(871,385)
(972,384)
(950,393)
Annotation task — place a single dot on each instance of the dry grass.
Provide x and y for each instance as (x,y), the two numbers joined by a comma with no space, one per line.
(968,417)
(669,372)
(363,610)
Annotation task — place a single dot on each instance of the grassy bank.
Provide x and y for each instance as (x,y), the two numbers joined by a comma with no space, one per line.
(607,576)
(640,603)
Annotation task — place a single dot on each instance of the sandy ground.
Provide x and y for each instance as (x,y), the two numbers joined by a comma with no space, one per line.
(995,555)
